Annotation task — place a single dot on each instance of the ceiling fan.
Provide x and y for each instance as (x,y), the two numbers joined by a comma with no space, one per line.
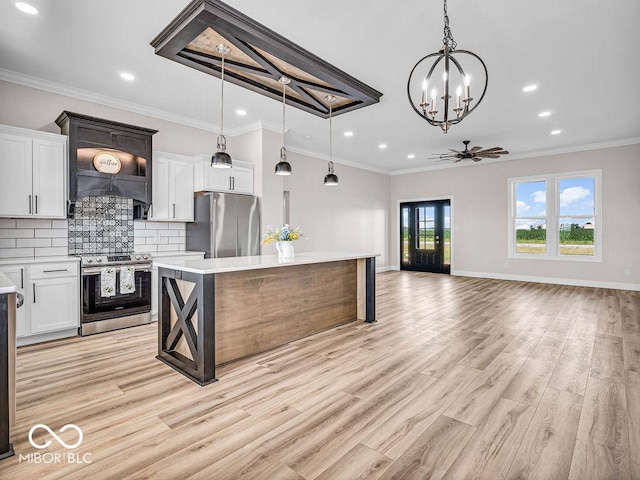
(476,153)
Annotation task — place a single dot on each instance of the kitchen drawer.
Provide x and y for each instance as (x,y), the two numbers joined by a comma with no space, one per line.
(50,270)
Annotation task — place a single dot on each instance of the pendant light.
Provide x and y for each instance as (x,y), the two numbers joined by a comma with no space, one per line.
(222,159)
(448,63)
(330,179)
(283,167)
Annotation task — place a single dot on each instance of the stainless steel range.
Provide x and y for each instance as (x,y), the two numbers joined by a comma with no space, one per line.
(116,291)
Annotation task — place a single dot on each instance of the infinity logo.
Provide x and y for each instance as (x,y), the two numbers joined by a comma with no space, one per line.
(57,438)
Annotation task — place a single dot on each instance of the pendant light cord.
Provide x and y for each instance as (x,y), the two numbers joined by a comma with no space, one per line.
(222,96)
(448,34)
(284,99)
(330,135)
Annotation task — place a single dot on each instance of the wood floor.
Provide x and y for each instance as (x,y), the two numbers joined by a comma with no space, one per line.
(461,378)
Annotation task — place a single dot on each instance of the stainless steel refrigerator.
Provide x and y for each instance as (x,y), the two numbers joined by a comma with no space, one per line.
(226,225)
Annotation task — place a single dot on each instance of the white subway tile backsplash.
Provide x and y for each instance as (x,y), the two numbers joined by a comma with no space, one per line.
(33,223)
(154,225)
(139,241)
(50,251)
(16,252)
(176,225)
(16,233)
(145,233)
(59,224)
(7,243)
(169,233)
(175,240)
(33,242)
(168,248)
(7,223)
(59,242)
(139,225)
(51,233)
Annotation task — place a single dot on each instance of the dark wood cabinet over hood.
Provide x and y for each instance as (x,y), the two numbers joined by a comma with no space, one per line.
(129,147)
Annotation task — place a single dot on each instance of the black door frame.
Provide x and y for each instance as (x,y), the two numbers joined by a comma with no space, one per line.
(446,269)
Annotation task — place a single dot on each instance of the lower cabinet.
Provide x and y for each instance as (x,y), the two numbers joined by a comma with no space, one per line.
(51,300)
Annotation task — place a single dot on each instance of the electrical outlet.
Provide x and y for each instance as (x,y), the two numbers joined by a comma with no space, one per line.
(627,272)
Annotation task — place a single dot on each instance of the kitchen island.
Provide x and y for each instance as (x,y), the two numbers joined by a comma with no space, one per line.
(218,310)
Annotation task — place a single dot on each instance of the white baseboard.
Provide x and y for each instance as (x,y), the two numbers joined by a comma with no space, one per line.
(47,337)
(554,280)
(529,278)
(384,269)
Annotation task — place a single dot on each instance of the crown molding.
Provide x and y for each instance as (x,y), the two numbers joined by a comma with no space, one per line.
(522,156)
(340,161)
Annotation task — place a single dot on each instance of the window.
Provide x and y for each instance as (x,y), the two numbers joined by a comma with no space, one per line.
(556,217)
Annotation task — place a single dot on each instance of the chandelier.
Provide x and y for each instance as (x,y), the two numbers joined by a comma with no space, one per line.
(436,106)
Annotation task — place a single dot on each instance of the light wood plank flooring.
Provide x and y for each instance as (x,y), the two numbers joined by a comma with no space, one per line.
(461,378)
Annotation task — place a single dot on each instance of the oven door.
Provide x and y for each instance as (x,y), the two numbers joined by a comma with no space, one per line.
(95,307)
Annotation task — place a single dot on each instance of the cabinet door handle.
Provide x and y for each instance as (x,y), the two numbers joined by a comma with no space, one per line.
(36,203)
(174,210)
(30,205)
(54,271)
(233,179)
(34,293)
(230,187)
(22,278)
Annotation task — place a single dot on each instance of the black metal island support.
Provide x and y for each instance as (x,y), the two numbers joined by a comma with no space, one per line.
(7,366)
(215,311)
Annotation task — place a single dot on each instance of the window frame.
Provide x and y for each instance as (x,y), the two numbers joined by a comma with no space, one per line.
(552,186)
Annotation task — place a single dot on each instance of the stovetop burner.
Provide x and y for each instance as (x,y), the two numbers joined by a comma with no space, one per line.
(115,259)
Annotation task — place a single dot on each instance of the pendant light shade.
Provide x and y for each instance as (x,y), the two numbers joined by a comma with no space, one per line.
(283,167)
(221,159)
(330,179)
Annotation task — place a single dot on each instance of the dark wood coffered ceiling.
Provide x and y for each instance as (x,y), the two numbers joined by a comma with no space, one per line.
(258,58)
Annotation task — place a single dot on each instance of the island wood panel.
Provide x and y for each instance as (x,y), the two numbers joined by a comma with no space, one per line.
(258,310)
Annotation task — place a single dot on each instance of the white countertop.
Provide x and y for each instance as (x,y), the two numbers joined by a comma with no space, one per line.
(6,286)
(236,264)
(30,260)
(177,253)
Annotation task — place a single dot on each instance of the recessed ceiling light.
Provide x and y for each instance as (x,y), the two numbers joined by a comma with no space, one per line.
(411,156)
(130,77)
(544,114)
(556,132)
(530,88)
(26,8)
(241,112)
(348,134)
(382,146)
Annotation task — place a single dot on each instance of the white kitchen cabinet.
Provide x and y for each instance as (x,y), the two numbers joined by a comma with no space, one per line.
(51,300)
(237,179)
(55,292)
(172,188)
(17,275)
(33,179)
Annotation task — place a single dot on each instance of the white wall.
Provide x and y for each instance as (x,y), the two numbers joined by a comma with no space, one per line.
(353,216)
(481,211)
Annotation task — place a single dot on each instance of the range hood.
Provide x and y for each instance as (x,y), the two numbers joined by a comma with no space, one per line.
(107,158)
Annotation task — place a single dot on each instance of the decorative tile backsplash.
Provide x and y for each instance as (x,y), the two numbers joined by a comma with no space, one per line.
(102,225)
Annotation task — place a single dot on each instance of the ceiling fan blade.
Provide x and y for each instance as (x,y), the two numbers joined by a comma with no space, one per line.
(456,160)
(475,149)
(476,158)
(493,149)
(452,150)
(488,156)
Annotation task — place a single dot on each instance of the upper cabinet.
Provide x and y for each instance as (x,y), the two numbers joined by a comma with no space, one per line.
(238,179)
(33,178)
(172,188)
